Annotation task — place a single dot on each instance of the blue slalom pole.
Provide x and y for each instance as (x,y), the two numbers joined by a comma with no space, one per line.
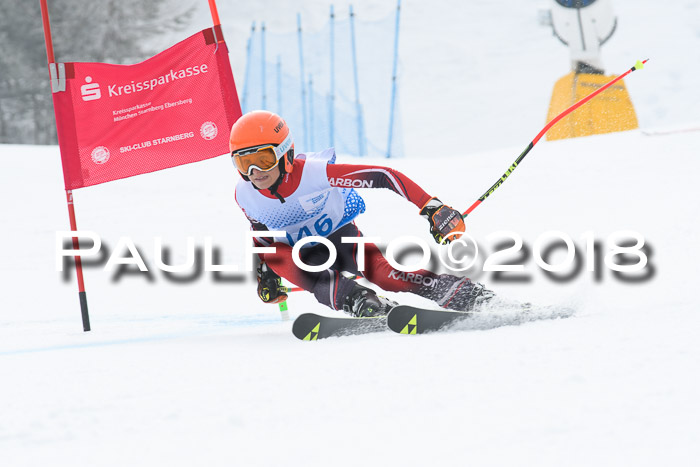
(262,60)
(331,97)
(279,86)
(248,66)
(393,80)
(311,112)
(361,148)
(303,86)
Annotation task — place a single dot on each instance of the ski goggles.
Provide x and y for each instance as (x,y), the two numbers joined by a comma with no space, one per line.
(264,157)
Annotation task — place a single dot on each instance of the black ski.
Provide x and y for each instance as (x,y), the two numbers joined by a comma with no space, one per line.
(411,320)
(311,327)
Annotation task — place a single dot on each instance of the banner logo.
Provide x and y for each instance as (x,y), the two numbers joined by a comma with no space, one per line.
(100,155)
(90,92)
(170,77)
(208,130)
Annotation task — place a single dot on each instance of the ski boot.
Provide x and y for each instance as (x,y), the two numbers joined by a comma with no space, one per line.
(365,303)
(460,294)
(480,299)
(479,296)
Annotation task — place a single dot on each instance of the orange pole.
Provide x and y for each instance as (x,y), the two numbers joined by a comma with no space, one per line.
(214,13)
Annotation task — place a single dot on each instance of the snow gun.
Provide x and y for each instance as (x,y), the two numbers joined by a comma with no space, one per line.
(638,66)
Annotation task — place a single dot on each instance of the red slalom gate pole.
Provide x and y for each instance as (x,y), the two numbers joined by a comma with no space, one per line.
(47,31)
(214,13)
(69,193)
(638,66)
(82,296)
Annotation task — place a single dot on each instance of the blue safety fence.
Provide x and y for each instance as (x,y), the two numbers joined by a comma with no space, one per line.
(337,86)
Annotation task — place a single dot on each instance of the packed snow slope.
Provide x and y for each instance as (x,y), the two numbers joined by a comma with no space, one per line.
(195,370)
(203,372)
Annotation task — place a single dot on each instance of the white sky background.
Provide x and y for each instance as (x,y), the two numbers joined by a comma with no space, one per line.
(475,72)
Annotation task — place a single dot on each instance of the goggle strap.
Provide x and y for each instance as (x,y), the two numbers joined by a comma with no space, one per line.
(282,148)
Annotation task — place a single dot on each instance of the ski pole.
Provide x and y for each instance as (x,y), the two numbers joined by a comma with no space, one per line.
(637,66)
(299,289)
(284,309)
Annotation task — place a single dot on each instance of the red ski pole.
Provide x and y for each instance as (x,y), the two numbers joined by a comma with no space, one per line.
(638,66)
(299,289)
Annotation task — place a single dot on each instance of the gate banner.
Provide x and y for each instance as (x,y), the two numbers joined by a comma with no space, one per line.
(117,121)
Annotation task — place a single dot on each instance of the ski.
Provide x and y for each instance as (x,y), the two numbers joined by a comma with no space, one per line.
(404,319)
(411,320)
(311,327)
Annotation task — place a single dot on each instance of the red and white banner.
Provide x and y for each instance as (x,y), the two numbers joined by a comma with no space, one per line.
(117,121)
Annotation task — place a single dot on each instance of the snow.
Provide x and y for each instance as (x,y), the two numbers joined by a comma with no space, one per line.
(202,373)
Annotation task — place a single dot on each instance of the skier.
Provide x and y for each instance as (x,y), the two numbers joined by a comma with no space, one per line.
(309,194)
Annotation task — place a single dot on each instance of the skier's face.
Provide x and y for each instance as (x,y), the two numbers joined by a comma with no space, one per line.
(264,180)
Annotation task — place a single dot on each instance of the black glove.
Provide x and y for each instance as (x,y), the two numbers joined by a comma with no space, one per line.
(446,224)
(269,285)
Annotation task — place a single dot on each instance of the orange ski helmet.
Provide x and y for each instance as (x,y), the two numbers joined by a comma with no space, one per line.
(261,139)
